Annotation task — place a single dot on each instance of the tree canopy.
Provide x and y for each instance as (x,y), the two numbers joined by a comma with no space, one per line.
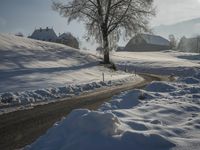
(106,20)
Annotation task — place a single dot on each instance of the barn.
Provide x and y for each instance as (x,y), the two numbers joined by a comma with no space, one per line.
(147,42)
(47,34)
(69,40)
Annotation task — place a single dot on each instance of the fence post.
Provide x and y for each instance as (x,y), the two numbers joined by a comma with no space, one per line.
(103,76)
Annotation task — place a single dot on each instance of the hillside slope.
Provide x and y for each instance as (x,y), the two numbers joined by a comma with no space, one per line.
(27,64)
(187,28)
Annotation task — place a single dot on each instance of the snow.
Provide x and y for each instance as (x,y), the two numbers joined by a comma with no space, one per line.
(189,80)
(151,119)
(34,71)
(163,63)
(155,39)
(165,115)
(160,87)
(46,95)
(27,64)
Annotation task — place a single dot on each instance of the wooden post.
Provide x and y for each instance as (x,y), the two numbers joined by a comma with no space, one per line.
(103,76)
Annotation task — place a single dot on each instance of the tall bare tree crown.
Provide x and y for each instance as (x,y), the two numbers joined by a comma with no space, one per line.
(106,20)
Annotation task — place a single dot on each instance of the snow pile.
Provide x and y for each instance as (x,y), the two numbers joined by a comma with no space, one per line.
(123,101)
(50,94)
(160,87)
(189,80)
(163,63)
(150,119)
(84,129)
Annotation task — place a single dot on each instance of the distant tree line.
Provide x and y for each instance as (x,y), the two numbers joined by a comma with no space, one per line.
(185,44)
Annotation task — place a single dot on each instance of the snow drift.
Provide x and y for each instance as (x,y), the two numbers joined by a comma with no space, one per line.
(55,93)
(151,119)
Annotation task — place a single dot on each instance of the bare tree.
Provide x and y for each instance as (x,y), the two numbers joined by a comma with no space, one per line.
(198,44)
(106,20)
(172,41)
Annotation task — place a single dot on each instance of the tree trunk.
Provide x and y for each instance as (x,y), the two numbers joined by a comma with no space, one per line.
(106,49)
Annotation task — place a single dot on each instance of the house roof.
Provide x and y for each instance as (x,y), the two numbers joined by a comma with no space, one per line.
(66,36)
(44,34)
(154,39)
(147,42)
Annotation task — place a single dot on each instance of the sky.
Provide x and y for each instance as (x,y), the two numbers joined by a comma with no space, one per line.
(26,15)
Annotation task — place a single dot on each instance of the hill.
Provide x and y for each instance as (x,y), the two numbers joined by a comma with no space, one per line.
(187,28)
(27,64)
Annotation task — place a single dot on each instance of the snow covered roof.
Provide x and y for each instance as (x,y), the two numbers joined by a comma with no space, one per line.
(147,42)
(66,36)
(69,40)
(153,39)
(44,34)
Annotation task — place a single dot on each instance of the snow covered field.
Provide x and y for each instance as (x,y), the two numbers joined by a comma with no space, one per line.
(164,63)
(27,64)
(163,116)
(32,70)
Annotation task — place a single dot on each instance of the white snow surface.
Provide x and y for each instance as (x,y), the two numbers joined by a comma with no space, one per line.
(163,63)
(163,116)
(155,39)
(34,71)
(152,39)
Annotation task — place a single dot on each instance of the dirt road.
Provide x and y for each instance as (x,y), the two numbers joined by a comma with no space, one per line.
(20,128)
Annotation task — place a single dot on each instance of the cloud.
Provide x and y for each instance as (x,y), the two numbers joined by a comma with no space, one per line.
(172,11)
(2,22)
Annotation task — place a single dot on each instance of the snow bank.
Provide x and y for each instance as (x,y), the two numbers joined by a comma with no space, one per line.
(163,63)
(50,94)
(163,116)
(189,80)
(124,101)
(84,129)
(160,87)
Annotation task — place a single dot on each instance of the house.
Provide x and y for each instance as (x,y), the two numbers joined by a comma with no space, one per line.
(147,42)
(189,44)
(47,34)
(120,48)
(69,40)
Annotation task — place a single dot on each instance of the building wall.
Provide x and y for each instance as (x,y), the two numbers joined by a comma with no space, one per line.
(146,48)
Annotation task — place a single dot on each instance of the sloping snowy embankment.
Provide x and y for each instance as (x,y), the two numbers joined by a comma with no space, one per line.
(163,116)
(33,71)
(39,96)
(27,64)
(163,63)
